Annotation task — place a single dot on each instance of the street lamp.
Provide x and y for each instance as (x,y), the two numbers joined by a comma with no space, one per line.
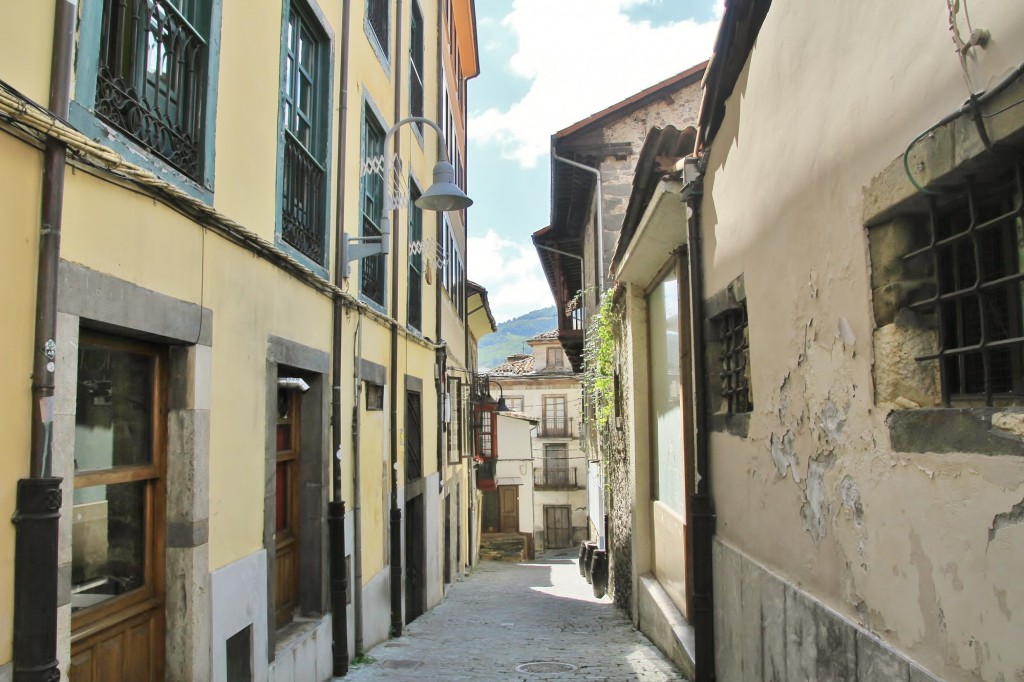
(502,405)
(442,195)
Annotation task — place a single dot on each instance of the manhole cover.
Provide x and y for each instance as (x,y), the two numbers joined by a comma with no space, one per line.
(396,664)
(545,667)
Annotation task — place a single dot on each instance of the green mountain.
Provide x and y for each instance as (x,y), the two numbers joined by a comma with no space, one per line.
(512,335)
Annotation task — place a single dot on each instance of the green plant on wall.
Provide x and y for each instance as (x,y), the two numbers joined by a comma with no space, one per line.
(599,361)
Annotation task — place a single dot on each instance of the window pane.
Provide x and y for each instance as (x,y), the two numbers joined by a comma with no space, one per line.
(666,405)
(114,418)
(108,542)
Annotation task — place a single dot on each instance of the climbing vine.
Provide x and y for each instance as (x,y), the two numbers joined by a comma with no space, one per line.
(599,361)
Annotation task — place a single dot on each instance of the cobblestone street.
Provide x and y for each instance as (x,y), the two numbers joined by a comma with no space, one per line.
(505,615)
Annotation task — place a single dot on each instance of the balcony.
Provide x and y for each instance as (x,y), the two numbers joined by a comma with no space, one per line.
(555,427)
(557,478)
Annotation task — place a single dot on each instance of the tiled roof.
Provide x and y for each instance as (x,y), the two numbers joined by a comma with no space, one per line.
(516,364)
(546,336)
(518,415)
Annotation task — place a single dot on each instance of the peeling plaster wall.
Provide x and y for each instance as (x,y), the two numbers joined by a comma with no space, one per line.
(921,550)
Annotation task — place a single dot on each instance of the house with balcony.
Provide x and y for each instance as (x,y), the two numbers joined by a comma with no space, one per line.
(541,384)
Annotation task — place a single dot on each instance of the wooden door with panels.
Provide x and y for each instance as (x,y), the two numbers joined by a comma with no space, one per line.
(118,513)
(508,502)
(557,526)
(286,514)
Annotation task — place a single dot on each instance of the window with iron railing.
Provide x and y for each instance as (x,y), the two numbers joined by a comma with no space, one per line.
(553,420)
(975,252)
(416,51)
(372,268)
(304,113)
(453,277)
(378,17)
(415,304)
(556,470)
(555,477)
(734,358)
(152,76)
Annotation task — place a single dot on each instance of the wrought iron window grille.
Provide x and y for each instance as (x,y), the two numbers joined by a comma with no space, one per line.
(151,80)
(734,358)
(377,15)
(416,51)
(373,268)
(303,205)
(975,252)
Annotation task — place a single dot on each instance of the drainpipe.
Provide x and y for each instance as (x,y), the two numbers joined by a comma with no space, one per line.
(38,500)
(442,381)
(598,211)
(395,526)
(471,438)
(336,507)
(701,501)
(357,493)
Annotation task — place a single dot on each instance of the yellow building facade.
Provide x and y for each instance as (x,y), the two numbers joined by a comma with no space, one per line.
(221,382)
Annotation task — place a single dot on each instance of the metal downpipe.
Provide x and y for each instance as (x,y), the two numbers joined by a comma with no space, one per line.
(395,516)
(38,502)
(336,507)
(701,500)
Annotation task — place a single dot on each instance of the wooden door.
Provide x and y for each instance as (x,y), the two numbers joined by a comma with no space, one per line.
(508,496)
(117,532)
(286,528)
(557,527)
(415,560)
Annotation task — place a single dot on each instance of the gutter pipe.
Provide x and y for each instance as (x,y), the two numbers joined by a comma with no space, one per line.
(357,493)
(336,507)
(38,501)
(701,501)
(395,525)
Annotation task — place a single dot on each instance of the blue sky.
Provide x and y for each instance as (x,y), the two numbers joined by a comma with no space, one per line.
(546,64)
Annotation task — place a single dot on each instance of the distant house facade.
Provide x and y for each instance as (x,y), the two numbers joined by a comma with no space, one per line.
(614,161)
(542,385)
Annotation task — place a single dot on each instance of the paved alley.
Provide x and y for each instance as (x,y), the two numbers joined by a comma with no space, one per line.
(505,616)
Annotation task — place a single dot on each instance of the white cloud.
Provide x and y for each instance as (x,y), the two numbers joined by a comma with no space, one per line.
(511,273)
(582,56)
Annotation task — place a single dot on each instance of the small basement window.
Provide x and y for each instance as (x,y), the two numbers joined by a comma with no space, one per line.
(975,252)
(734,358)
(374,397)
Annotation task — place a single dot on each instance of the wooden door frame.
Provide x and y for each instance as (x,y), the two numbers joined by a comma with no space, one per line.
(92,622)
(501,514)
(293,461)
(547,537)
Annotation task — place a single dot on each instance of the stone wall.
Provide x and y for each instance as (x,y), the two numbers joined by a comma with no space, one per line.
(767,628)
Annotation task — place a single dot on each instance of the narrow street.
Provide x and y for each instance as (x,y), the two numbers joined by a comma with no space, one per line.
(505,615)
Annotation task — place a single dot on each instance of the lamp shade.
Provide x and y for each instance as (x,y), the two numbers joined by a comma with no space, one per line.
(502,405)
(444,194)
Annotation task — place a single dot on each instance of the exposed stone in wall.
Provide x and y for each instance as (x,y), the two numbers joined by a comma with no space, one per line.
(621,490)
(1011,422)
(900,379)
(1014,516)
(680,110)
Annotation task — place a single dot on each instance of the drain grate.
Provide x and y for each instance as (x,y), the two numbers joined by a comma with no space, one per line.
(541,667)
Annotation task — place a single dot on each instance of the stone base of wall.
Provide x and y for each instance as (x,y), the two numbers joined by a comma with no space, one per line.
(303,652)
(661,621)
(768,629)
(377,609)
